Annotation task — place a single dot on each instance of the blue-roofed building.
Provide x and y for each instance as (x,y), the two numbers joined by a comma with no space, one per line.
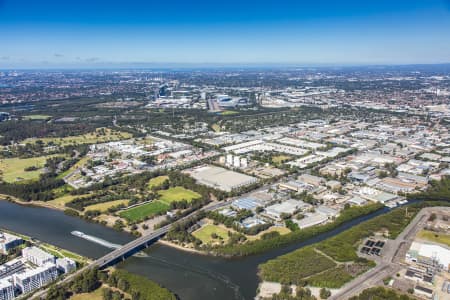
(252,221)
(246,203)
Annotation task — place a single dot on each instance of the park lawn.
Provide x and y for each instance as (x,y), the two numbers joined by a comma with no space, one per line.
(436,237)
(13,169)
(138,213)
(62,190)
(204,233)
(36,117)
(279,159)
(88,138)
(177,193)
(103,207)
(157,181)
(281,230)
(95,295)
(228,112)
(58,252)
(62,201)
(215,127)
(146,141)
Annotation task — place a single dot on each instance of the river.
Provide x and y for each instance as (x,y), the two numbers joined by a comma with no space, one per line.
(191,276)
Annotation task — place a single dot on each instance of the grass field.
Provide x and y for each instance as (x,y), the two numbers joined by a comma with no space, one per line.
(62,190)
(176,194)
(228,112)
(138,213)
(159,206)
(436,237)
(13,169)
(279,159)
(157,181)
(61,201)
(104,206)
(36,117)
(281,230)
(204,233)
(146,141)
(99,136)
(215,127)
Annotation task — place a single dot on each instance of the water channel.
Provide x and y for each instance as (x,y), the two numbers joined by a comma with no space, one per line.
(191,276)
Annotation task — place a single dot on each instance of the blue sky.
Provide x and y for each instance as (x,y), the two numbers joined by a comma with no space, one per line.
(133,32)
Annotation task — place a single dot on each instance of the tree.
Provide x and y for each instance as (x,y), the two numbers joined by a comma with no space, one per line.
(55,293)
(107,294)
(324,293)
(123,285)
(432,217)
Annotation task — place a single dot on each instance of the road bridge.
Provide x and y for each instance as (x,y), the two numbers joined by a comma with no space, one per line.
(131,248)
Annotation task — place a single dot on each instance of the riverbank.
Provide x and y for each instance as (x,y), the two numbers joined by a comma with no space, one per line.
(181,248)
(264,245)
(54,250)
(42,204)
(341,249)
(30,203)
(267,289)
(237,250)
(189,275)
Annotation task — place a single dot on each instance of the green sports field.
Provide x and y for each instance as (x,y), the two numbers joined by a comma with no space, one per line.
(162,205)
(138,213)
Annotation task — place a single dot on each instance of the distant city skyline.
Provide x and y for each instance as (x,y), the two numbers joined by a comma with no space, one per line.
(58,34)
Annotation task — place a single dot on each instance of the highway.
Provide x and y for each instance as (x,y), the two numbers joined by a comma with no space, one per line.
(390,262)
